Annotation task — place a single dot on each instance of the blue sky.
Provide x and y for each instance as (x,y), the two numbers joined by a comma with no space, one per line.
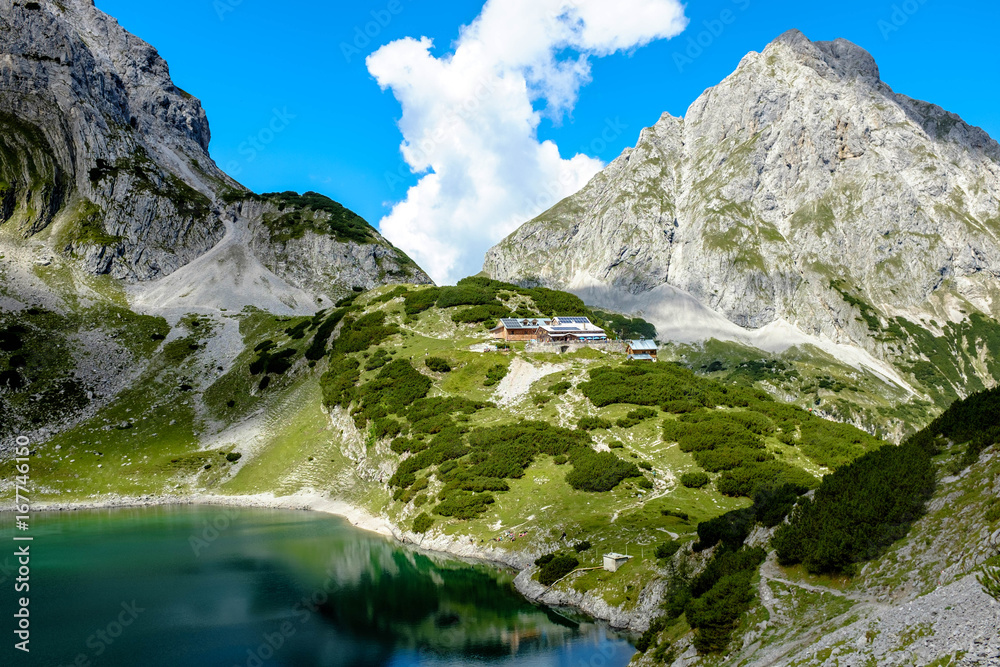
(247,60)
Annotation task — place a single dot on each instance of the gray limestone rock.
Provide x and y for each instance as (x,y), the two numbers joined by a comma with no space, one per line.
(103,158)
(800,189)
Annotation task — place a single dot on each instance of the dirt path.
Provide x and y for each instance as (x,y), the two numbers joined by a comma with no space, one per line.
(778,651)
(769,571)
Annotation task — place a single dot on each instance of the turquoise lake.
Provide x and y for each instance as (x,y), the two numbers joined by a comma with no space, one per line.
(157,586)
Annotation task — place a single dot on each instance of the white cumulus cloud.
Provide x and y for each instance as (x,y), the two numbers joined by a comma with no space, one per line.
(470,119)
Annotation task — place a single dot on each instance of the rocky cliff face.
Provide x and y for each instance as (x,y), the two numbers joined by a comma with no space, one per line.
(801,189)
(94,129)
(103,158)
(304,240)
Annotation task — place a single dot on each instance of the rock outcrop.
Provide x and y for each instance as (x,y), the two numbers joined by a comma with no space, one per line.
(103,158)
(801,190)
(99,144)
(305,245)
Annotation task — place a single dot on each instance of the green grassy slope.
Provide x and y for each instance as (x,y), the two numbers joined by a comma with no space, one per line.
(564,449)
(937,542)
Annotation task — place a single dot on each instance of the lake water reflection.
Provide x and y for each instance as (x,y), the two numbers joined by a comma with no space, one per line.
(164,586)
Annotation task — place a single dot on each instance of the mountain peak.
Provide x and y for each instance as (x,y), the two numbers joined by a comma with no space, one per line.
(800,192)
(839,59)
(110,158)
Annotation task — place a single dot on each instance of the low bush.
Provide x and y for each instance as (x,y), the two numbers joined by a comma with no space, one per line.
(347,301)
(417,302)
(432,425)
(694,480)
(593,423)
(495,374)
(464,295)
(647,638)
(635,417)
(667,549)
(580,547)
(379,359)
(477,314)
(464,505)
(425,408)
(556,569)
(468,481)
(752,477)
(422,523)
(438,365)
(625,327)
(317,348)
(721,594)
(12,380)
(772,504)
(339,383)
(386,428)
(176,351)
(972,421)
(400,291)
(716,432)
(10,338)
(599,471)
(730,458)
(657,384)
(560,388)
(859,510)
(732,529)
(365,332)
(446,446)
(681,406)
(395,387)
(280,363)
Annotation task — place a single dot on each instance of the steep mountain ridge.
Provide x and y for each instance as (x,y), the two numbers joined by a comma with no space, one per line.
(104,159)
(95,129)
(799,193)
(113,215)
(213,363)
